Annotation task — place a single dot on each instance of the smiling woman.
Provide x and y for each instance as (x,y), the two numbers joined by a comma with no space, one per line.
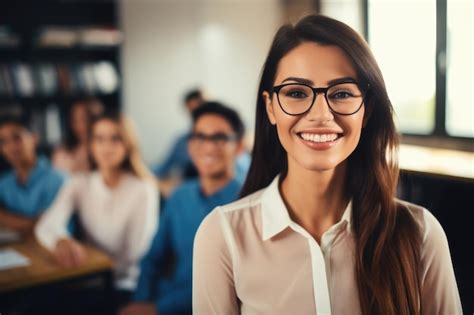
(335,119)
(319,229)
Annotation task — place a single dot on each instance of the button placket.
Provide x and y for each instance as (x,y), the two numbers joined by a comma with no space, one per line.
(320,276)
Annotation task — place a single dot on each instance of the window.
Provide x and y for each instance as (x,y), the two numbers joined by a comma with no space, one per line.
(460,67)
(424,49)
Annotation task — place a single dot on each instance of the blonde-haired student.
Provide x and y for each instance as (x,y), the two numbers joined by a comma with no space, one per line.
(117,204)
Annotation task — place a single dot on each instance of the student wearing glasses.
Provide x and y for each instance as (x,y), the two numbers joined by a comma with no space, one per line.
(178,165)
(319,230)
(116,204)
(214,144)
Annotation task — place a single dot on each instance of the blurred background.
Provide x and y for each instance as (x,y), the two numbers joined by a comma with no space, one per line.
(142,56)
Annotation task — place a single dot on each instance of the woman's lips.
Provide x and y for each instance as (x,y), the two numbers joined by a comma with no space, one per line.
(319,141)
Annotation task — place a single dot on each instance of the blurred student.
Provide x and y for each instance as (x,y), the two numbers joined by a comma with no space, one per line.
(32,184)
(72,156)
(214,144)
(117,204)
(178,165)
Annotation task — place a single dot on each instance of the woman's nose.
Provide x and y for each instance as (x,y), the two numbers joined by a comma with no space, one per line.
(320,111)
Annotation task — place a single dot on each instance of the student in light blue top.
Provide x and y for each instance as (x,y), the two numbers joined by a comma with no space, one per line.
(214,144)
(31,185)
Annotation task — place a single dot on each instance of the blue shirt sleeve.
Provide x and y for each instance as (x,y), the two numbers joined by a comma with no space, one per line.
(2,189)
(52,187)
(153,262)
(177,158)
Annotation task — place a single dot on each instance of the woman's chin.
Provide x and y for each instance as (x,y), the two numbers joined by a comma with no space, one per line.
(319,166)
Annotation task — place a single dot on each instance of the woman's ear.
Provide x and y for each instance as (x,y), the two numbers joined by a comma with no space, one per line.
(269,107)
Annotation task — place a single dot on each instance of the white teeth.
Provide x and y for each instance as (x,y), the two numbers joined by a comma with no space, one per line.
(319,137)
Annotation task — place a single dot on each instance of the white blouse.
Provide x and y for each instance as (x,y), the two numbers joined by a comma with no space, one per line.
(120,221)
(251,258)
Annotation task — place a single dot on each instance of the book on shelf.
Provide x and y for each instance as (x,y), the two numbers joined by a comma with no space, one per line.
(106,77)
(53,124)
(47,79)
(50,79)
(6,84)
(100,36)
(23,79)
(86,36)
(87,72)
(58,37)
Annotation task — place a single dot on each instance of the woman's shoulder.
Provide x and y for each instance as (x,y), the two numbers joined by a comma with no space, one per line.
(416,211)
(247,203)
(430,228)
(234,213)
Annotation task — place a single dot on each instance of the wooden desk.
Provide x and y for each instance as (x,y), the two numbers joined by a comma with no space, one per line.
(44,270)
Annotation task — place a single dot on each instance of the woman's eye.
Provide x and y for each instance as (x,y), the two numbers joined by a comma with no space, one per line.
(296,94)
(341,95)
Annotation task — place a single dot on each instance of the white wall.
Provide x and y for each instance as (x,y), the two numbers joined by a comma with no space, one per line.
(350,12)
(171,46)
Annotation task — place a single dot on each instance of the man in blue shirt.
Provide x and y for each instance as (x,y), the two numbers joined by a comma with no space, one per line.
(214,144)
(178,165)
(32,184)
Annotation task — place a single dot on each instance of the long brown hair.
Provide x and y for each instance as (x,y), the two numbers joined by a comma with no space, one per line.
(133,161)
(387,238)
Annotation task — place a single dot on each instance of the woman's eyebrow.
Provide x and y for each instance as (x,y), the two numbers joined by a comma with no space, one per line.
(342,80)
(311,83)
(298,80)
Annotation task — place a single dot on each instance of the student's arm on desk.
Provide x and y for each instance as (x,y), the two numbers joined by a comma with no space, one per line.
(16,222)
(51,230)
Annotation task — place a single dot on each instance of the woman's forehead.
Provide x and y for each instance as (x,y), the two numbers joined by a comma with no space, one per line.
(106,125)
(314,62)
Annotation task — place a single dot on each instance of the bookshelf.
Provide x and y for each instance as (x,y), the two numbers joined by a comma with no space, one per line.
(53,52)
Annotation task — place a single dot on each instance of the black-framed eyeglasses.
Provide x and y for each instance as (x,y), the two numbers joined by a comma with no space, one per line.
(219,139)
(343,98)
